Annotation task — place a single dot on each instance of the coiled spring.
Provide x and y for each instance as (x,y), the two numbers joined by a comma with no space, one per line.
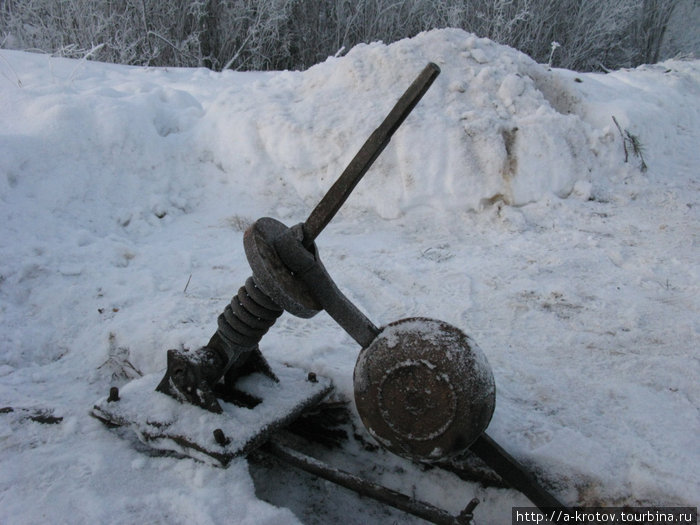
(248,317)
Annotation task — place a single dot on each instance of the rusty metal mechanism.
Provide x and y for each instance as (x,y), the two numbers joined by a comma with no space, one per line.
(423,388)
(287,275)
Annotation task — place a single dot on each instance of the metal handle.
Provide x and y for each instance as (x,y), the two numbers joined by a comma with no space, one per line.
(331,202)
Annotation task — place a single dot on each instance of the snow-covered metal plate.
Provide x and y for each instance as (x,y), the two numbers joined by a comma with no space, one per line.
(163,423)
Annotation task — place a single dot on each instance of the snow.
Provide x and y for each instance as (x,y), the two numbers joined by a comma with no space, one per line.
(164,423)
(503,206)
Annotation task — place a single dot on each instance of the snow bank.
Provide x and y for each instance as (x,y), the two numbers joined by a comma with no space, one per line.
(485,130)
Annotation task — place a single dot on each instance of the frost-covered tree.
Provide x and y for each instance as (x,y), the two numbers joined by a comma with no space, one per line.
(682,37)
(278,34)
(146,32)
(650,28)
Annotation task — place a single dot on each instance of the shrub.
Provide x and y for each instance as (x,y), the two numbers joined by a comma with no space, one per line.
(295,34)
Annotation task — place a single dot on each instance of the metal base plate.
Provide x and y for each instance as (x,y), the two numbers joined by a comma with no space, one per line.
(163,423)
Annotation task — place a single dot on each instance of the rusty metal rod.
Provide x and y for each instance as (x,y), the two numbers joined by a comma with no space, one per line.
(367,488)
(331,202)
(514,474)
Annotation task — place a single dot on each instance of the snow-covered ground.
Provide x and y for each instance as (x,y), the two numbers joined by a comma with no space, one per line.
(502,206)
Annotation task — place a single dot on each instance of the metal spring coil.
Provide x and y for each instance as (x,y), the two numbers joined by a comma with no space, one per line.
(248,317)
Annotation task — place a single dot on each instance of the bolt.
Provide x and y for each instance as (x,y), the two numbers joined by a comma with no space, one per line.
(113,394)
(467,514)
(221,438)
(312,377)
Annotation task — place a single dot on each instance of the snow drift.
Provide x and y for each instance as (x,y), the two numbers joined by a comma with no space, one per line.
(484,132)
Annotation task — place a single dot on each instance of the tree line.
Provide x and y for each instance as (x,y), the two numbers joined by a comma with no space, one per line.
(582,35)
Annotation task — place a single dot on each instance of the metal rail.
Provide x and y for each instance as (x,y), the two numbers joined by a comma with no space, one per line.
(367,488)
(515,475)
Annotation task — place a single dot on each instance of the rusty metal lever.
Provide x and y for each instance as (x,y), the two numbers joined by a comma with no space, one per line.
(331,202)
(233,350)
(309,269)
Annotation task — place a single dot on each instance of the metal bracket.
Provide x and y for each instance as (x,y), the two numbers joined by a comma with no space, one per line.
(307,267)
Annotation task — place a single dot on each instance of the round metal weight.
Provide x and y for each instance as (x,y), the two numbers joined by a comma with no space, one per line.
(270,273)
(424,389)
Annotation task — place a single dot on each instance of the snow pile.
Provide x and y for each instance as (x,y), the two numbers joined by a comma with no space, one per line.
(485,130)
(503,206)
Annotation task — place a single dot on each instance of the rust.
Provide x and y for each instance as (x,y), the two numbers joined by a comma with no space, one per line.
(424,389)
